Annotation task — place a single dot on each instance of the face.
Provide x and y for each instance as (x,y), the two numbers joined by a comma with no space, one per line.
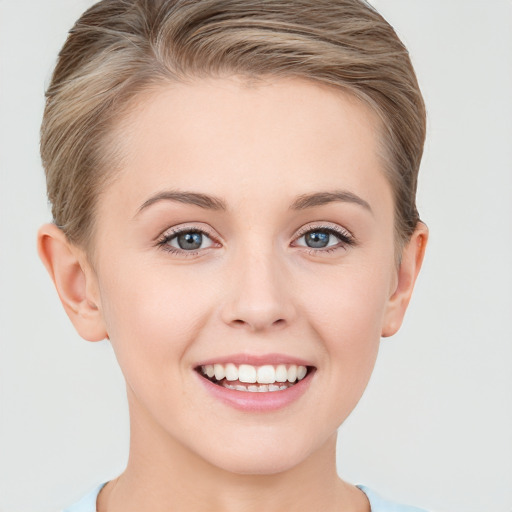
(249,232)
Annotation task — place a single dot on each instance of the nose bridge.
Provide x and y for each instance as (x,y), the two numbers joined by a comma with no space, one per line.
(260,291)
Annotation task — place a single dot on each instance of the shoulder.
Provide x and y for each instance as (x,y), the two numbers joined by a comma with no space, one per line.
(379,504)
(87,503)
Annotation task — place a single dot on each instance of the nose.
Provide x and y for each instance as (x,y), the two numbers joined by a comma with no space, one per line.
(260,293)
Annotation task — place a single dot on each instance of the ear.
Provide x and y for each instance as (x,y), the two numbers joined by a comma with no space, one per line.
(75,281)
(412,258)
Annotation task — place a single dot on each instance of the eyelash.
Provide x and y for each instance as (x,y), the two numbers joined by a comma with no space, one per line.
(346,239)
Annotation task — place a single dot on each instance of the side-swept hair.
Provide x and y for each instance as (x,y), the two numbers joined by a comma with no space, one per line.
(120,48)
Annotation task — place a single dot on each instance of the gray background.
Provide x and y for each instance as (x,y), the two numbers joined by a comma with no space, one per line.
(435,425)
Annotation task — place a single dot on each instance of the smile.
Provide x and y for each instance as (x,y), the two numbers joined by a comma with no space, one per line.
(254,379)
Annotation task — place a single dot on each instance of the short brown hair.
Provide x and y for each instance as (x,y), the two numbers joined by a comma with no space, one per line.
(119,48)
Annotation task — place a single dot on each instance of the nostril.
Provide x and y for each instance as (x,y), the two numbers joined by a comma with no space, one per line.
(242,323)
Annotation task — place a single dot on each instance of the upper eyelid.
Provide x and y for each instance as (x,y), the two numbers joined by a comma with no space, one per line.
(327,227)
(320,226)
(176,230)
(308,227)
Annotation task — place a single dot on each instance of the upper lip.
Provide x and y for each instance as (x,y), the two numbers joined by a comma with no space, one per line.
(255,360)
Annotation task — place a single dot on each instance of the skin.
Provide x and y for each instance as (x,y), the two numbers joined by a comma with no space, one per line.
(254,287)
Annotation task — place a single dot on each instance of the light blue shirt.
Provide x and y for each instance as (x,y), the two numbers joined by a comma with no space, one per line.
(377,503)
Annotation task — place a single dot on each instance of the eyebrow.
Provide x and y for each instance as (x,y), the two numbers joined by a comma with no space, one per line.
(322,198)
(202,200)
(209,202)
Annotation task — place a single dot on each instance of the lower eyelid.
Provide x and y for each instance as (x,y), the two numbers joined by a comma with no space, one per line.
(180,252)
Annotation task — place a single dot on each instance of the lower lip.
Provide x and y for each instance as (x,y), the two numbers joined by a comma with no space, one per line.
(258,401)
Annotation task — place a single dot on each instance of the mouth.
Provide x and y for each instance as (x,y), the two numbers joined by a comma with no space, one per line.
(254,379)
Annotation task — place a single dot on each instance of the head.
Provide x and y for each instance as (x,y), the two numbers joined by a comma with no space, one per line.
(252,106)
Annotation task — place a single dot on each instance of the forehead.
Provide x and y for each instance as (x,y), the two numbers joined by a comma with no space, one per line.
(238,140)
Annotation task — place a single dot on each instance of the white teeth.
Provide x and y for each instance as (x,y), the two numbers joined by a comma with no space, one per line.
(266,374)
(208,369)
(220,373)
(246,373)
(292,373)
(231,372)
(281,373)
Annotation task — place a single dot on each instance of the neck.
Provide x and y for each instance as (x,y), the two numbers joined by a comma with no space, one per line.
(164,475)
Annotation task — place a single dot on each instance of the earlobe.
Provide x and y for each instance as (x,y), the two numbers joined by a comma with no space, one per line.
(74,280)
(412,258)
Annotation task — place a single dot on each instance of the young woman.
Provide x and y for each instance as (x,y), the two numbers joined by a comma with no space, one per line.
(233,191)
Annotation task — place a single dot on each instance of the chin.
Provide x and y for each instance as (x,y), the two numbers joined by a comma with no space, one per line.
(261,466)
(261,458)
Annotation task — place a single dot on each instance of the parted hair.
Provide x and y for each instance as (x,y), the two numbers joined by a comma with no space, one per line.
(119,49)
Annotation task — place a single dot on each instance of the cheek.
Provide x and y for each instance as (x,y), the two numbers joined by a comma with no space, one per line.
(153,316)
(346,312)
(349,302)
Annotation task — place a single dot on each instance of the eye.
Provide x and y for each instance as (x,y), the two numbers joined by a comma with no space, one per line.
(324,238)
(185,241)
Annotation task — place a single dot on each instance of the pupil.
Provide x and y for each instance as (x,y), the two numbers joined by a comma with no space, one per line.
(190,240)
(317,239)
